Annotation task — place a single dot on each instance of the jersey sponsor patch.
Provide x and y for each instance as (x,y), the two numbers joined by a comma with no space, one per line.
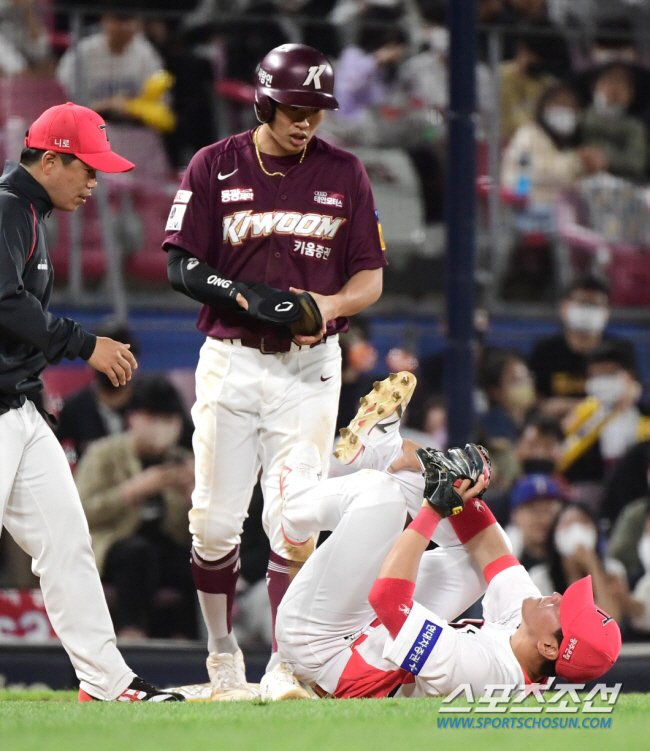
(232,195)
(422,646)
(242,224)
(326,198)
(175,218)
(182,196)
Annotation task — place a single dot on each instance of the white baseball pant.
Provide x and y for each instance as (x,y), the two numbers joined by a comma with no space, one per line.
(250,410)
(41,510)
(326,606)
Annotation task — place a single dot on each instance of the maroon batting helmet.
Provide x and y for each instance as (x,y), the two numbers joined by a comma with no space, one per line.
(293,74)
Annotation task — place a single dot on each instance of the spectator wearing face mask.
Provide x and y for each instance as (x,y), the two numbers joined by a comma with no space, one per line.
(135,488)
(601,428)
(510,390)
(573,553)
(535,502)
(548,153)
(608,126)
(559,363)
(539,447)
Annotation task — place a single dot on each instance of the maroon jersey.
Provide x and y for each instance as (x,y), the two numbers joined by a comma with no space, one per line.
(312,229)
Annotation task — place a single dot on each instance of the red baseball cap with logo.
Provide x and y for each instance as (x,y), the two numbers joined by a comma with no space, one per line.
(72,129)
(592,639)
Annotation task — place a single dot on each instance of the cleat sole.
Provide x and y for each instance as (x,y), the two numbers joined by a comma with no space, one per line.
(387,397)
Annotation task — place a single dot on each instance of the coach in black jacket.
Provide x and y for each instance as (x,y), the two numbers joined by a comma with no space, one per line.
(39,503)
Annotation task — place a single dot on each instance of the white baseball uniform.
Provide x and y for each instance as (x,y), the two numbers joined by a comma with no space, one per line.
(329,635)
(250,409)
(41,509)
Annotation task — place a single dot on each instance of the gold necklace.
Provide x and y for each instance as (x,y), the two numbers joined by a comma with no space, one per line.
(259,156)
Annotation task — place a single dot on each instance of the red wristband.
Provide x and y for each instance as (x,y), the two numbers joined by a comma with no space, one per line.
(425,522)
(499,565)
(474,518)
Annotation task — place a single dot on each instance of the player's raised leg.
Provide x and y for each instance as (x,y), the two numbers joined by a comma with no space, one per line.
(226,467)
(372,440)
(326,607)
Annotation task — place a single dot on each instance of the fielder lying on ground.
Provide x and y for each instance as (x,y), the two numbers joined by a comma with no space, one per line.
(368,615)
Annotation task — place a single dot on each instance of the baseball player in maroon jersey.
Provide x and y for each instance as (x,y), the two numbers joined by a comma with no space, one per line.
(259,218)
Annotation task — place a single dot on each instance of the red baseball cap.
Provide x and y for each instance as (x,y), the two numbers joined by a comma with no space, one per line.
(592,639)
(72,129)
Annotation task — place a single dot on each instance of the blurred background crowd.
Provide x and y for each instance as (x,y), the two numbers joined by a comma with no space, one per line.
(562,355)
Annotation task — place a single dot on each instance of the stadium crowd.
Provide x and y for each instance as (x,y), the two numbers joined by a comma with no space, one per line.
(568,427)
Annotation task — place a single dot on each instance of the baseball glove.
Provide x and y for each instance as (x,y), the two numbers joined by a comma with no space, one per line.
(270,304)
(471,462)
(444,472)
(310,321)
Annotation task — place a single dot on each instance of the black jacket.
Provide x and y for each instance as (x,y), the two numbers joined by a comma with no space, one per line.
(30,337)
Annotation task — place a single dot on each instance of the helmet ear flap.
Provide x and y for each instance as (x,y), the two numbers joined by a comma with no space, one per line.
(264,108)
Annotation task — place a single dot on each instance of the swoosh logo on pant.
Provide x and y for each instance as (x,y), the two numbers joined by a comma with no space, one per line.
(223,177)
(326,379)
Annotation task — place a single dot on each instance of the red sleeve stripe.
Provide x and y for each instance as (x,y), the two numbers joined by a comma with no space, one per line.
(31,252)
(392,600)
(499,565)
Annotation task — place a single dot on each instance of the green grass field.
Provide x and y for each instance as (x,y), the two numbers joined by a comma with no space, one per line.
(54,721)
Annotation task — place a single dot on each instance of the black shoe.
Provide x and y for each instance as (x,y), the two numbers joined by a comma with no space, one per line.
(138,690)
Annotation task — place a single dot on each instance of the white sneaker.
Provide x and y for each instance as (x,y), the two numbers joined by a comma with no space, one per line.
(228,677)
(301,472)
(280,684)
(382,409)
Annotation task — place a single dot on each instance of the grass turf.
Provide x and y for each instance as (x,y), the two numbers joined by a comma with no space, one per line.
(54,721)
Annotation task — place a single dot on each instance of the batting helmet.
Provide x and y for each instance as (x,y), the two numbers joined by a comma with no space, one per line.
(293,74)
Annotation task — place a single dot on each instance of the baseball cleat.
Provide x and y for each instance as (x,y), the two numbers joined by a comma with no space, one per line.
(194,691)
(228,678)
(301,471)
(138,690)
(280,684)
(382,408)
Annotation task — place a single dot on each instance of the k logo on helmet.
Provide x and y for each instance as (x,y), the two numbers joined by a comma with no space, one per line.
(313,76)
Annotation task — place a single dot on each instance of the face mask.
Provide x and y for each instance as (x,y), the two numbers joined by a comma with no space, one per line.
(608,389)
(157,435)
(521,396)
(643,549)
(538,466)
(590,319)
(603,107)
(568,540)
(561,120)
(164,435)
